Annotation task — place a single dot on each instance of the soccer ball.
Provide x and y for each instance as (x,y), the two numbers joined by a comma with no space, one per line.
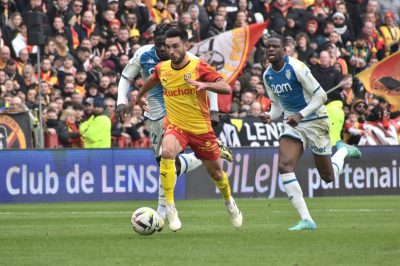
(145,221)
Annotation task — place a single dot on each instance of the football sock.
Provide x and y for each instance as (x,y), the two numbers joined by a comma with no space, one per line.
(189,162)
(295,194)
(213,100)
(168,179)
(338,161)
(223,187)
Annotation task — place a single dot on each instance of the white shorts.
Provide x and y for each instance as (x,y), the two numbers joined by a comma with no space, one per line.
(313,134)
(156,134)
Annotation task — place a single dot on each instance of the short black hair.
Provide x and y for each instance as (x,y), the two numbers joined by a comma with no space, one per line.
(162,28)
(274,35)
(177,31)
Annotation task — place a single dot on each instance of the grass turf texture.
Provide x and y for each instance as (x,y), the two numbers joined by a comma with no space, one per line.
(351,231)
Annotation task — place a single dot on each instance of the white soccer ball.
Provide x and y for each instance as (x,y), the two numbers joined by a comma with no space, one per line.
(146,221)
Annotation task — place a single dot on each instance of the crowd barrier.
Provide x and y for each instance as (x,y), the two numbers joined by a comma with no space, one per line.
(132,174)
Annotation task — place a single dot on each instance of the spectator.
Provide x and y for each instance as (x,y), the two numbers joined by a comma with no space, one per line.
(96,131)
(5,55)
(341,27)
(261,98)
(374,41)
(359,55)
(303,48)
(255,110)
(87,26)
(68,120)
(12,73)
(360,107)
(217,26)
(390,33)
(129,129)
(326,75)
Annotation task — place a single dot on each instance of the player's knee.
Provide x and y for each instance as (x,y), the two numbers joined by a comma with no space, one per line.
(327,177)
(215,174)
(168,154)
(285,167)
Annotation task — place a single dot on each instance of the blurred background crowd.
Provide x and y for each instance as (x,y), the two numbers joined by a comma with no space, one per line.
(89,42)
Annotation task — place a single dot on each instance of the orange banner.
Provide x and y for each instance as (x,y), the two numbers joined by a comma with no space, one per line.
(383,79)
(228,53)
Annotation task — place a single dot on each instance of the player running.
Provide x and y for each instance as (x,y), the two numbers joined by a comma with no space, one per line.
(185,80)
(144,61)
(295,92)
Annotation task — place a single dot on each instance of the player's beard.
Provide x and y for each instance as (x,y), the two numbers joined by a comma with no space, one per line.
(178,59)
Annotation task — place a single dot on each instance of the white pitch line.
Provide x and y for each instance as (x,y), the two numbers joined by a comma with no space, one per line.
(350,210)
(74,212)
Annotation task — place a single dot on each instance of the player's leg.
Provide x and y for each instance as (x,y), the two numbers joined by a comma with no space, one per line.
(328,168)
(290,151)
(171,146)
(186,162)
(225,153)
(220,179)
(205,146)
(183,163)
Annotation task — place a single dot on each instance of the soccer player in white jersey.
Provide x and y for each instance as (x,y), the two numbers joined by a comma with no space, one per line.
(295,93)
(144,61)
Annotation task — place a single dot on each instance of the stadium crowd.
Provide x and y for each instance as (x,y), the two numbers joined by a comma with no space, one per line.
(89,42)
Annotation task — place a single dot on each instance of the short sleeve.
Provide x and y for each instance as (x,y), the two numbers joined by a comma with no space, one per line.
(155,75)
(207,73)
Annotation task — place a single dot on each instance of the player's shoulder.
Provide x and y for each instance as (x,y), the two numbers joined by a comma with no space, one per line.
(296,64)
(141,52)
(164,65)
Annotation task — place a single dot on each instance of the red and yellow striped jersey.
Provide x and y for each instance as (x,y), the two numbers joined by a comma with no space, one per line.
(186,107)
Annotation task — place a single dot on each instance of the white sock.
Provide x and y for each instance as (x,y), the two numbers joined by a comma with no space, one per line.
(162,204)
(338,161)
(295,194)
(213,100)
(189,162)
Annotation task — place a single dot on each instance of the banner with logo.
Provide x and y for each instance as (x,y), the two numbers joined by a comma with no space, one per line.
(80,175)
(228,53)
(383,79)
(15,132)
(254,173)
(249,132)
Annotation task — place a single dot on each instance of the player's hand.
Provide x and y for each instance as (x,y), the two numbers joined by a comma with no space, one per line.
(121,110)
(200,85)
(143,104)
(265,118)
(294,120)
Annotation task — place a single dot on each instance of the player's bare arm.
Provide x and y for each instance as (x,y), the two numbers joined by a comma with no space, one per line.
(148,85)
(219,86)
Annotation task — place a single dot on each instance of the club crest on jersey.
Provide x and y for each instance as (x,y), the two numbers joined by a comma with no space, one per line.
(288,74)
(186,77)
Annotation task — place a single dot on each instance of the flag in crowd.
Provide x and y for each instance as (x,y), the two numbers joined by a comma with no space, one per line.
(228,53)
(383,79)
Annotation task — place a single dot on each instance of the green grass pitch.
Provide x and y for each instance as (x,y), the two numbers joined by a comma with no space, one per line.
(351,231)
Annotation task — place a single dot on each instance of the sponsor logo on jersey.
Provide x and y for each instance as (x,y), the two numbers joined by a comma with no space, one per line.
(179,92)
(288,74)
(208,146)
(278,89)
(151,61)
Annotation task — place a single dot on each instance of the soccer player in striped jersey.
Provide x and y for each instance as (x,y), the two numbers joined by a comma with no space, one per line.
(144,61)
(294,91)
(186,80)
